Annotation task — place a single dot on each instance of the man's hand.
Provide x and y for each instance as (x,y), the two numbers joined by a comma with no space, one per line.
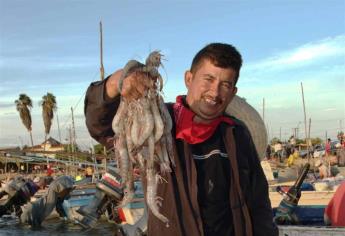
(134,85)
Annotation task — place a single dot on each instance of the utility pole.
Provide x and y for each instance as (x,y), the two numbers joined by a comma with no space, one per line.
(280,133)
(73,132)
(309,141)
(102,78)
(73,139)
(101,47)
(305,122)
(70,149)
(309,129)
(58,123)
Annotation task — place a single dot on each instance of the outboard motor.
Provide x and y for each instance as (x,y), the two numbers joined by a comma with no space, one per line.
(19,193)
(108,189)
(138,229)
(285,214)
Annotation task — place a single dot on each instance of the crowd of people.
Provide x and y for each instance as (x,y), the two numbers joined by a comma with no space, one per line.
(289,151)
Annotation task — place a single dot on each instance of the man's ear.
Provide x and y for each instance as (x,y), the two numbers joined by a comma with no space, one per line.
(234,91)
(188,77)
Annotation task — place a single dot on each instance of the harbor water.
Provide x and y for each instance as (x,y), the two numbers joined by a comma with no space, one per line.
(57,227)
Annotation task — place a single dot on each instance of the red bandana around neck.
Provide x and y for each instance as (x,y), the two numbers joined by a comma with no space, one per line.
(191,131)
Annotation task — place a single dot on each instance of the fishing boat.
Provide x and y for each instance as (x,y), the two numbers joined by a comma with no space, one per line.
(311,223)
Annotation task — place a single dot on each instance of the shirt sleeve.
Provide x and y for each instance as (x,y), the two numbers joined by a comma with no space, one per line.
(99,113)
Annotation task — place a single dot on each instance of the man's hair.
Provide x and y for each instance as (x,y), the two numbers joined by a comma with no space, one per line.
(221,55)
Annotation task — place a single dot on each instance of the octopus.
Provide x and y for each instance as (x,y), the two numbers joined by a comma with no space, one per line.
(143,138)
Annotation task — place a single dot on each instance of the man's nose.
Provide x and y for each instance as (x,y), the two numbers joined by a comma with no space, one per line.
(214,89)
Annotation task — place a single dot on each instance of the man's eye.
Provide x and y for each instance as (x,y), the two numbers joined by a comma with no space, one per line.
(226,85)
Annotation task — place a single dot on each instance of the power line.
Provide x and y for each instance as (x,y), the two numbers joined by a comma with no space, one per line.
(76,105)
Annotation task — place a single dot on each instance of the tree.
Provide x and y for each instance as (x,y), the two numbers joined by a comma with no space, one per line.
(98,148)
(316,141)
(23,105)
(275,140)
(48,104)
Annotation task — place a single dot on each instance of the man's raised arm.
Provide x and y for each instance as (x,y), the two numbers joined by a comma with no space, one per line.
(103,98)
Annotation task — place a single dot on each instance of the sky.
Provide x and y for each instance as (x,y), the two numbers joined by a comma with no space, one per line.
(53,46)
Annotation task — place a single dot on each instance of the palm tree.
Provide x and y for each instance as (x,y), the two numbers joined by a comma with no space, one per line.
(23,105)
(48,104)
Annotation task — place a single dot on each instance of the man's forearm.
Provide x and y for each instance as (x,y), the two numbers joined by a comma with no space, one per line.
(99,110)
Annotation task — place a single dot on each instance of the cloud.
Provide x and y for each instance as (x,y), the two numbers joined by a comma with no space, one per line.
(50,63)
(307,54)
(6,104)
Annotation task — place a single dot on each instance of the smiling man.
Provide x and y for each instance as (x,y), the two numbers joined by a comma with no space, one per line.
(217,186)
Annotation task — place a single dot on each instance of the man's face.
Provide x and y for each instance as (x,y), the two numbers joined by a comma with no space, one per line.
(210,90)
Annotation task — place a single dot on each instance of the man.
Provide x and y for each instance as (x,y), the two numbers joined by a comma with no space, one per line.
(217,186)
(278,149)
(324,171)
(328,147)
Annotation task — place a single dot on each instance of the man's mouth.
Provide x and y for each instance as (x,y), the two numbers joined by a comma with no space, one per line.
(211,101)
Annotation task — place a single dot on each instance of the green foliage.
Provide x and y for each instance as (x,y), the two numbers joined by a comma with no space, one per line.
(274,140)
(316,141)
(68,148)
(299,141)
(98,148)
(23,106)
(48,104)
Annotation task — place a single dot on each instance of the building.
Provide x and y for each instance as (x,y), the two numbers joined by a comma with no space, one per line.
(51,145)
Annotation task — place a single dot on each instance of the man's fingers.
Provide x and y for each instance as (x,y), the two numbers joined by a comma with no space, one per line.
(141,87)
(130,92)
(135,85)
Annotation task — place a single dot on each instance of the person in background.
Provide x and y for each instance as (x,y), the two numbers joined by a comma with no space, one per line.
(217,186)
(292,142)
(328,147)
(292,158)
(278,150)
(335,211)
(324,171)
(268,152)
(88,172)
(49,170)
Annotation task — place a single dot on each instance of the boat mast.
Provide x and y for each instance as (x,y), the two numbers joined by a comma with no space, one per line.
(102,78)
(305,124)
